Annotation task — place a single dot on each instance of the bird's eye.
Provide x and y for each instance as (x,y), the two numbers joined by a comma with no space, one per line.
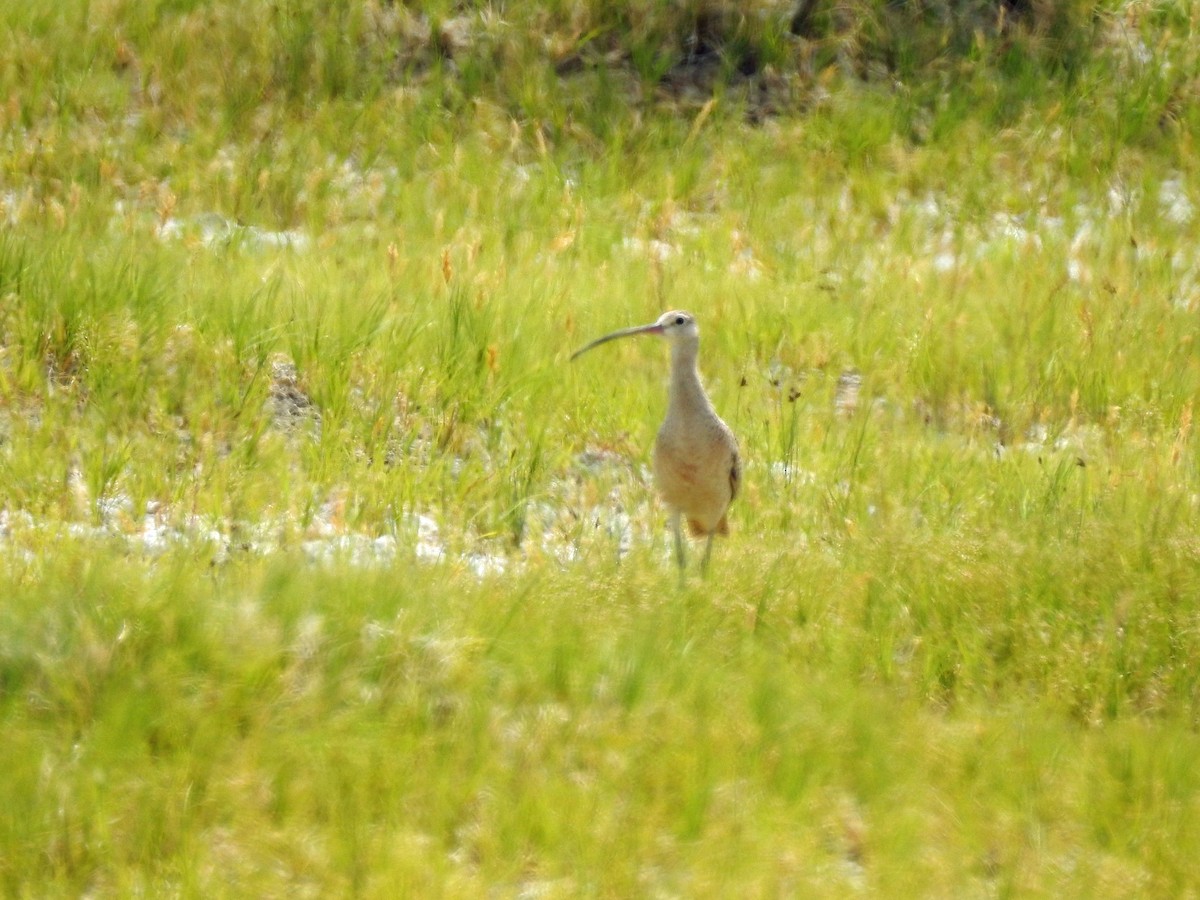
(679,320)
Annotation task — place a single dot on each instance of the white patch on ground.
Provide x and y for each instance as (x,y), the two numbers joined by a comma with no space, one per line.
(212,229)
(654,249)
(1175,203)
(157,531)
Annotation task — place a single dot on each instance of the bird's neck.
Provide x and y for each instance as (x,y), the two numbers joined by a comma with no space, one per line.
(687,393)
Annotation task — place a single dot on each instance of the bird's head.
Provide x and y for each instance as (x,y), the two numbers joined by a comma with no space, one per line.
(678,327)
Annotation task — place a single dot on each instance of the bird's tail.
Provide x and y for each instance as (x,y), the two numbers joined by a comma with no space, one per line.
(697,529)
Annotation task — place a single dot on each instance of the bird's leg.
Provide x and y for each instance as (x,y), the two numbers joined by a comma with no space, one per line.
(707,553)
(677,528)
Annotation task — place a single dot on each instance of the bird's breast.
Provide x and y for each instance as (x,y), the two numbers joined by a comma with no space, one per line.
(692,466)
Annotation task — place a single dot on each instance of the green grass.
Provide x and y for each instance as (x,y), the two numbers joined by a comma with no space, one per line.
(326,573)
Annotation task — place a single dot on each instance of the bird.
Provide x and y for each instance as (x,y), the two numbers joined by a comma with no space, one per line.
(696,464)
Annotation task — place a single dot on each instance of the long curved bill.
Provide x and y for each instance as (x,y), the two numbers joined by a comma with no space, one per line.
(654,328)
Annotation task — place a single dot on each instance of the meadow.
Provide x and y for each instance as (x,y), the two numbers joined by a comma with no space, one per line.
(325,573)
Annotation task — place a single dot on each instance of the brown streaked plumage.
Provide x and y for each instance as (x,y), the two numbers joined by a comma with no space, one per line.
(696,462)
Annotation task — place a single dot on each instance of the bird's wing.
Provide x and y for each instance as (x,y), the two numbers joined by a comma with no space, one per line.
(735,475)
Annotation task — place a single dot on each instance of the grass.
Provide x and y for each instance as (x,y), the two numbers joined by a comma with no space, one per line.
(327,574)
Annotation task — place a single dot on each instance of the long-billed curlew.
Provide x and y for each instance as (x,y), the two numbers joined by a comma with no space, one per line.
(696,460)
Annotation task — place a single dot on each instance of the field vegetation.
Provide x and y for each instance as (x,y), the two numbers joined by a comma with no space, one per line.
(324,573)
